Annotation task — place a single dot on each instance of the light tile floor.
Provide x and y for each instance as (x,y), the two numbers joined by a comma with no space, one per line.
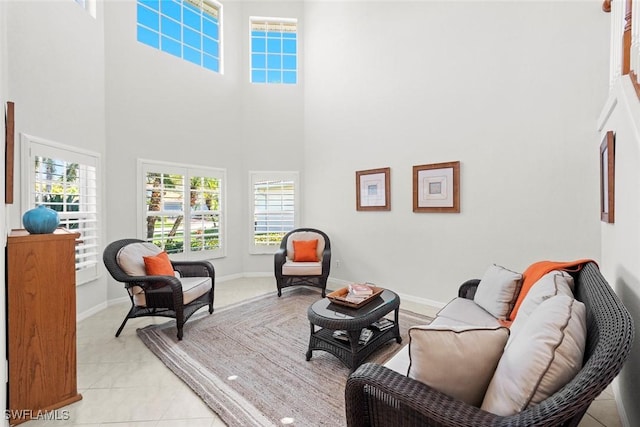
(124,385)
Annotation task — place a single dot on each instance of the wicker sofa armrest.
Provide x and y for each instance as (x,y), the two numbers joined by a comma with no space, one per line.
(194,268)
(400,400)
(468,289)
(154,282)
(279,258)
(326,261)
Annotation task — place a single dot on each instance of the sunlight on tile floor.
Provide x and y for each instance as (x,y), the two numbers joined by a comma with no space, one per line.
(124,385)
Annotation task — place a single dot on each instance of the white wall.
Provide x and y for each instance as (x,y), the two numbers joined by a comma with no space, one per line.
(510,89)
(621,240)
(191,115)
(56,79)
(272,118)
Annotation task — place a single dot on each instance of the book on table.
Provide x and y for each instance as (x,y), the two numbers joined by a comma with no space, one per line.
(365,336)
(358,292)
(360,289)
(382,324)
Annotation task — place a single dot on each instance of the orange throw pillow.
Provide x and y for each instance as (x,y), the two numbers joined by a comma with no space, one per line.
(158,265)
(305,250)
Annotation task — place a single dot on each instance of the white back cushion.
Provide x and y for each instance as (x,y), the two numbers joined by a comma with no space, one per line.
(305,235)
(546,353)
(551,284)
(130,257)
(498,290)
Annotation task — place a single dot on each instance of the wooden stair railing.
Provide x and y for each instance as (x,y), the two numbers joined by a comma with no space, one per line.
(627,42)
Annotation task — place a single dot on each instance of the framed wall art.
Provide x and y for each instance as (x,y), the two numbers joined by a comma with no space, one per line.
(436,187)
(373,190)
(607,177)
(9,149)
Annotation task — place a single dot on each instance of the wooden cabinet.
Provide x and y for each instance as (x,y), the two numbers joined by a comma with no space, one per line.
(41,323)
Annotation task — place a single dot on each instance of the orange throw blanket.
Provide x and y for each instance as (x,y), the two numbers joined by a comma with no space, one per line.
(535,271)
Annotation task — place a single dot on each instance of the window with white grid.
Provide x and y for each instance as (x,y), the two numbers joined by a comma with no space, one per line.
(65,179)
(274,207)
(188,29)
(274,50)
(182,208)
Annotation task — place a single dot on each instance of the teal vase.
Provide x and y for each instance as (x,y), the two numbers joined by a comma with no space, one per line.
(40,220)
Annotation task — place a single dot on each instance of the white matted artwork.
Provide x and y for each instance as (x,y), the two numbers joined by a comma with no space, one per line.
(436,187)
(372,190)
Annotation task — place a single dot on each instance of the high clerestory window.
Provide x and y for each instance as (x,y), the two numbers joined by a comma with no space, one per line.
(188,29)
(274,50)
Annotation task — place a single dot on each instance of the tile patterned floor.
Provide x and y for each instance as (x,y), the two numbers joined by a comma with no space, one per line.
(124,385)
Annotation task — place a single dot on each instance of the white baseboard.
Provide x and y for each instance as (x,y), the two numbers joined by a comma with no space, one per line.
(624,418)
(332,284)
(339,283)
(93,310)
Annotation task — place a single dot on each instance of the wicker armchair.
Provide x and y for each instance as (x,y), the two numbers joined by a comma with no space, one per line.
(290,273)
(377,396)
(166,296)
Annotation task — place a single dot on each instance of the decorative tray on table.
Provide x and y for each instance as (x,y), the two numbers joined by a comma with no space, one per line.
(342,297)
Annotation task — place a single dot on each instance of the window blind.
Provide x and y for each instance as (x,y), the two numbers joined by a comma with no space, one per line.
(66,180)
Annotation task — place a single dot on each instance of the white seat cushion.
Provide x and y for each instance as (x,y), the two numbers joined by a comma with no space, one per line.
(192,288)
(400,361)
(290,268)
(466,311)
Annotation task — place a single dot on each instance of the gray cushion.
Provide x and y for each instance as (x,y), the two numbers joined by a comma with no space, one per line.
(466,311)
(130,257)
(545,354)
(458,361)
(551,284)
(498,290)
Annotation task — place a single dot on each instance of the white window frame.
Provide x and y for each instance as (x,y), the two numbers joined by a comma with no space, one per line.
(253,20)
(188,171)
(260,176)
(204,6)
(87,264)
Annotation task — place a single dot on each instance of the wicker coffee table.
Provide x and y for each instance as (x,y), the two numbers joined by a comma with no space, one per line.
(329,317)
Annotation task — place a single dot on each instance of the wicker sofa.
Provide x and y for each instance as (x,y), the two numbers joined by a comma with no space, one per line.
(378,396)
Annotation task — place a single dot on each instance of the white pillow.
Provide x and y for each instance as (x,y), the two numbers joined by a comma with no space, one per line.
(498,290)
(551,284)
(456,360)
(544,356)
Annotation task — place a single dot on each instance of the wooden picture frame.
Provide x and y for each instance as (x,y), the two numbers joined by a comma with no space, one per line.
(373,190)
(9,150)
(436,187)
(607,178)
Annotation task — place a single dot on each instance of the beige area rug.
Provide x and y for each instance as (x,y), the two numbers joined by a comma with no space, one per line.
(247,361)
